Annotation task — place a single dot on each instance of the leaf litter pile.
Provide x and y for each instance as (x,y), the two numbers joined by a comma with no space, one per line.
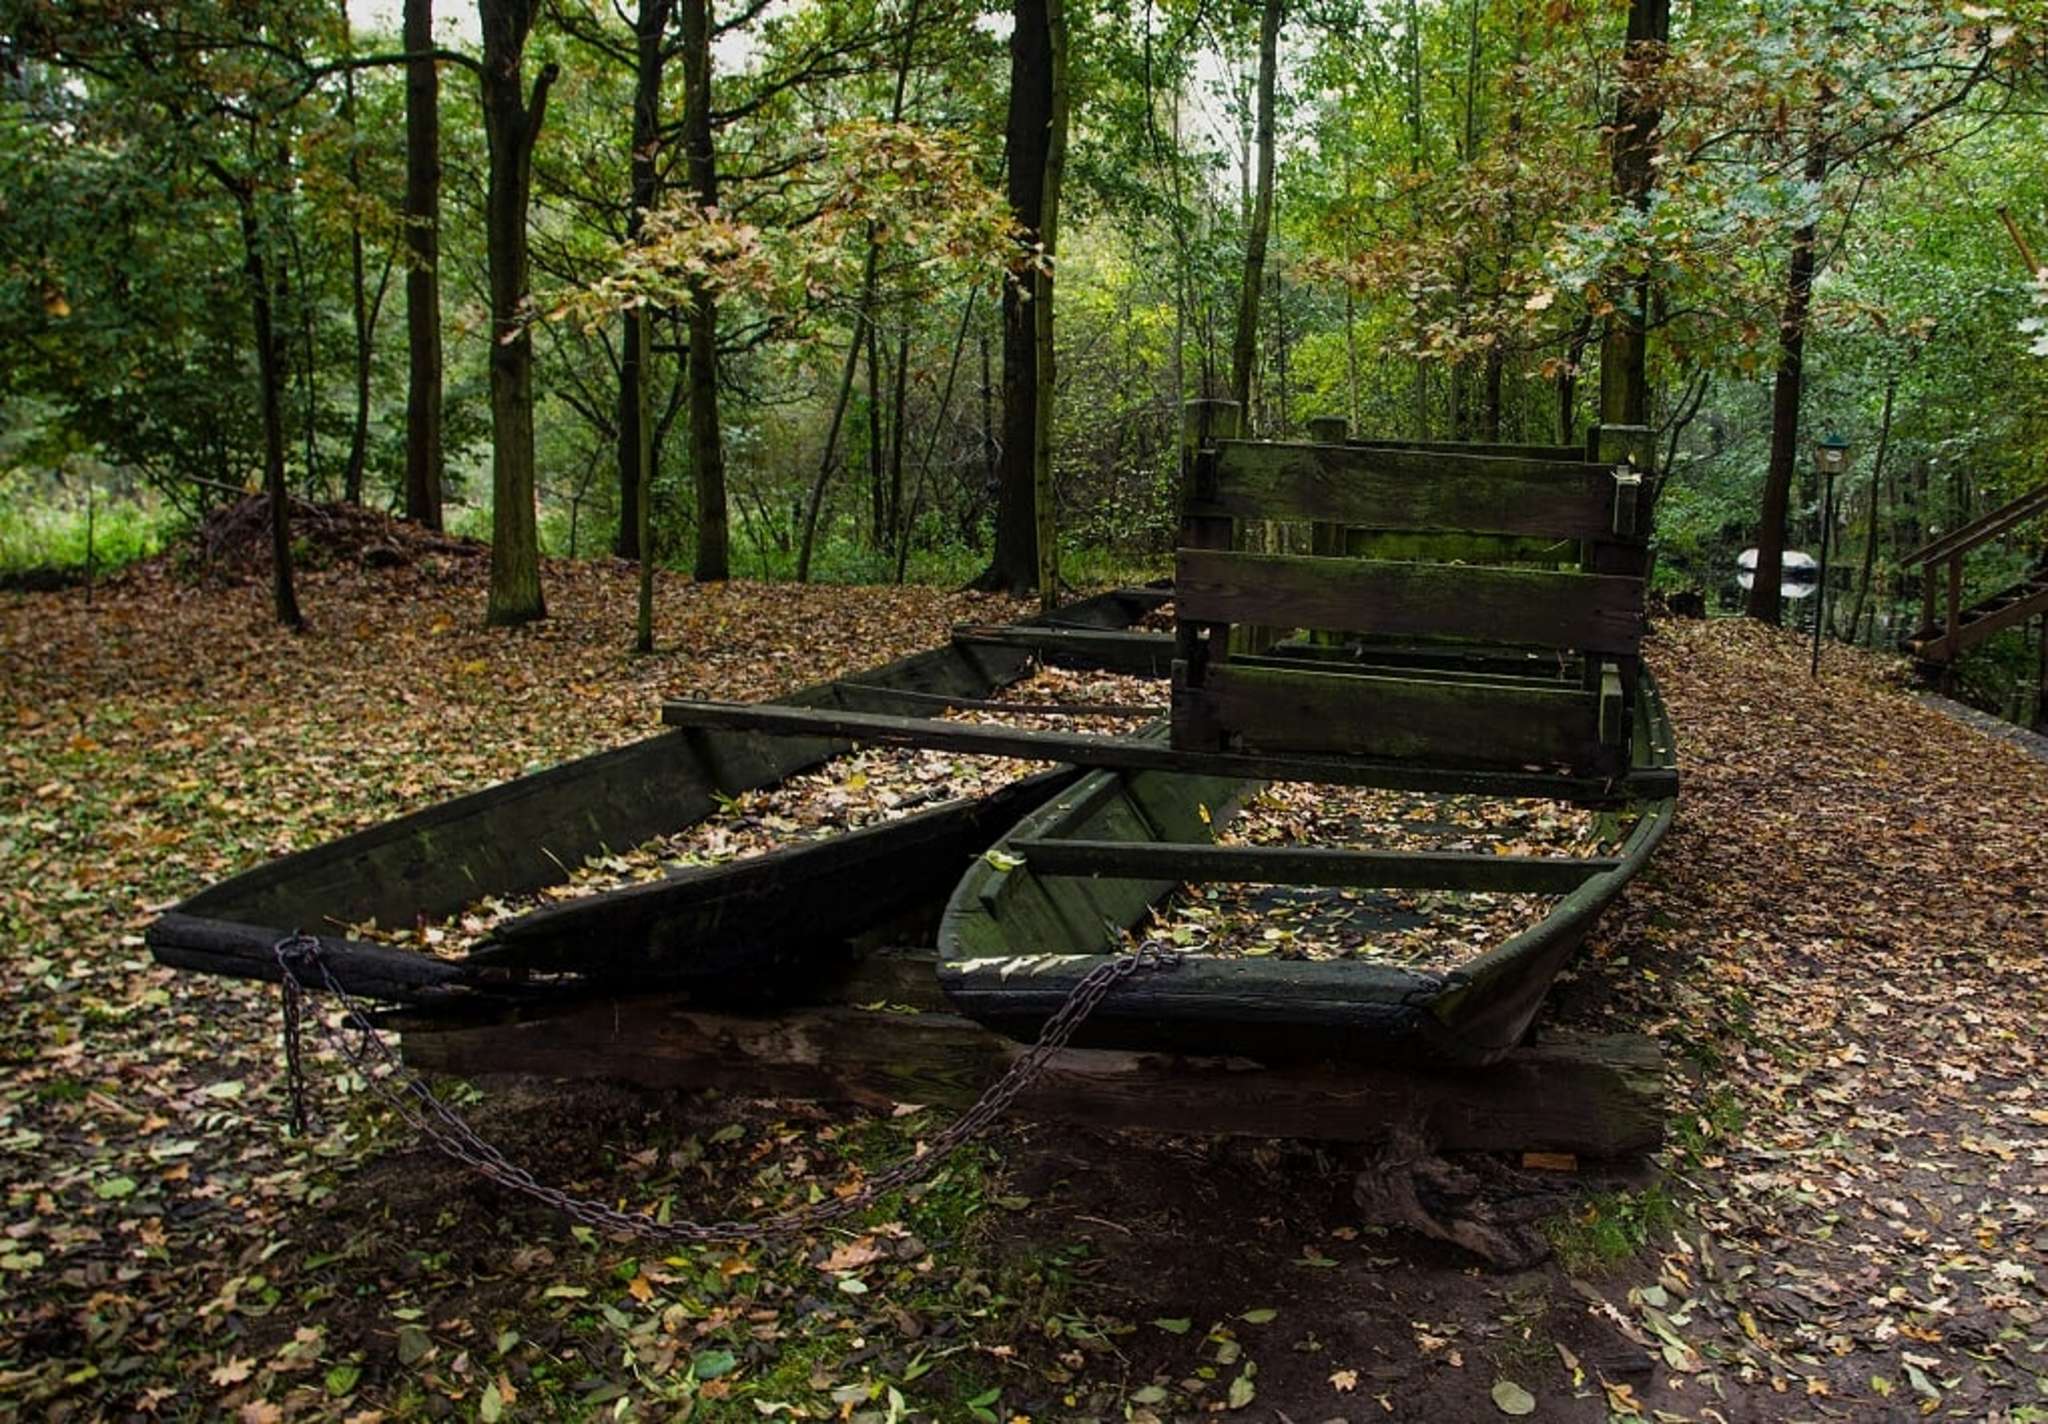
(1430,931)
(1839,949)
(868,786)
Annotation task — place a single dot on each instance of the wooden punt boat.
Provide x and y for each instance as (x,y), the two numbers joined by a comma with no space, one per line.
(731,930)
(1081,876)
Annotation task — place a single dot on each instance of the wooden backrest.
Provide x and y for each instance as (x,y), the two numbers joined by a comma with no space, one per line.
(1552,613)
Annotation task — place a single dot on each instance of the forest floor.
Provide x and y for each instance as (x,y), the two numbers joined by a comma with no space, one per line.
(1839,946)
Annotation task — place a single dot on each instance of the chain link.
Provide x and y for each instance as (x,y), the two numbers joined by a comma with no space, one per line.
(298,957)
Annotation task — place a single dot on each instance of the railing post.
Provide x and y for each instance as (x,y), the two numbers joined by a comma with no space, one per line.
(1950,644)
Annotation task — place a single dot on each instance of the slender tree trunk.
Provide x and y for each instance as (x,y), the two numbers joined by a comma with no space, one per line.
(422,280)
(643,503)
(1244,348)
(817,497)
(1884,440)
(650,33)
(707,446)
(512,122)
(359,433)
(899,405)
(1765,599)
(1048,389)
(1014,567)
(931,444)
(270,394)
(1415,140)
(877,500)
(1624,348)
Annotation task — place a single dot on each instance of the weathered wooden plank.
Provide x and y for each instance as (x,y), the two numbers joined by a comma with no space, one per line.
(1536,607)
(1598,1097)
(1406,489)
(1136,754)
(1351,714)
(1468,447)
(1454,548)
(1310,865)
(1140,654)
(768,910)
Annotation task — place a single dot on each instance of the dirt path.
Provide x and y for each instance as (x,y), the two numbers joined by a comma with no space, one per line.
(1839,946)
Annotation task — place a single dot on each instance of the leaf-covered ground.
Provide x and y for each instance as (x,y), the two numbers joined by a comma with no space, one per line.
(1839,946)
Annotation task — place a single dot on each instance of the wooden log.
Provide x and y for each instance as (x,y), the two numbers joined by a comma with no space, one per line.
(1274,710)
(1139,754)
(1531,607)
(1403,489)
(374,971)
(1597,1097)
(1310,865)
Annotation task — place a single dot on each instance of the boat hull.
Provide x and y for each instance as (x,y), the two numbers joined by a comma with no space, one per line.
(1013,944)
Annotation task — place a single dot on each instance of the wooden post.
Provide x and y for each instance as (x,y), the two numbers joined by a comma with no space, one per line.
(1326,538)
(1327,430)
(1203,423)
(1950,646)
(2041,680)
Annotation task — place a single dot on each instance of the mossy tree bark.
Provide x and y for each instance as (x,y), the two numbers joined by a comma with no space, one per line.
(512,122)
(423,459)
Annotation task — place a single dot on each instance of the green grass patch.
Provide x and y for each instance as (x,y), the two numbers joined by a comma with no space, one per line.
(1610,1228)
(51,522)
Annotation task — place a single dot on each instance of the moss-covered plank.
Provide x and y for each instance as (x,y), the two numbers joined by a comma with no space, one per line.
(1445,723)
(1408,489)
(1534,607)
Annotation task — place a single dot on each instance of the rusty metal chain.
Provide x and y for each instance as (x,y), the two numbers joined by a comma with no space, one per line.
(299,955)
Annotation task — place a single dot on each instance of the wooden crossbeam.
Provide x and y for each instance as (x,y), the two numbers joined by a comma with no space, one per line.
(1142,654)
(1137,754)
(1600,1097)
(1407,489)
(1311,865)
(1535,607)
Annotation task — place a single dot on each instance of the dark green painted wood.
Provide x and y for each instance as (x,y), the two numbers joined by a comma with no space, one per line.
(1308,865)
(1533,607)
(1082,749)
(1575,453)
(1477,549)
(1406,489)
(1443,723)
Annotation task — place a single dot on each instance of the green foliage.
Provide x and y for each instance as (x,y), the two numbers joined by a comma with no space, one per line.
(45,525)
(1608,1229)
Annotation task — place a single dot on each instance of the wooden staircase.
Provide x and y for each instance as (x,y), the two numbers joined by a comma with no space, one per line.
(1944,635)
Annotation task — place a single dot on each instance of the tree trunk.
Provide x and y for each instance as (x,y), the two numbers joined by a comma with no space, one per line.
(808,544)
(643,502)
(359,432)
(422,280)
(899,407)
(1624,347)
(1013,568)
(512,122)
(707,447)
(269,386)
(650,28)
(1043,493)
(877,501)
(1245,347)
(1765,601)
(1884,440)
